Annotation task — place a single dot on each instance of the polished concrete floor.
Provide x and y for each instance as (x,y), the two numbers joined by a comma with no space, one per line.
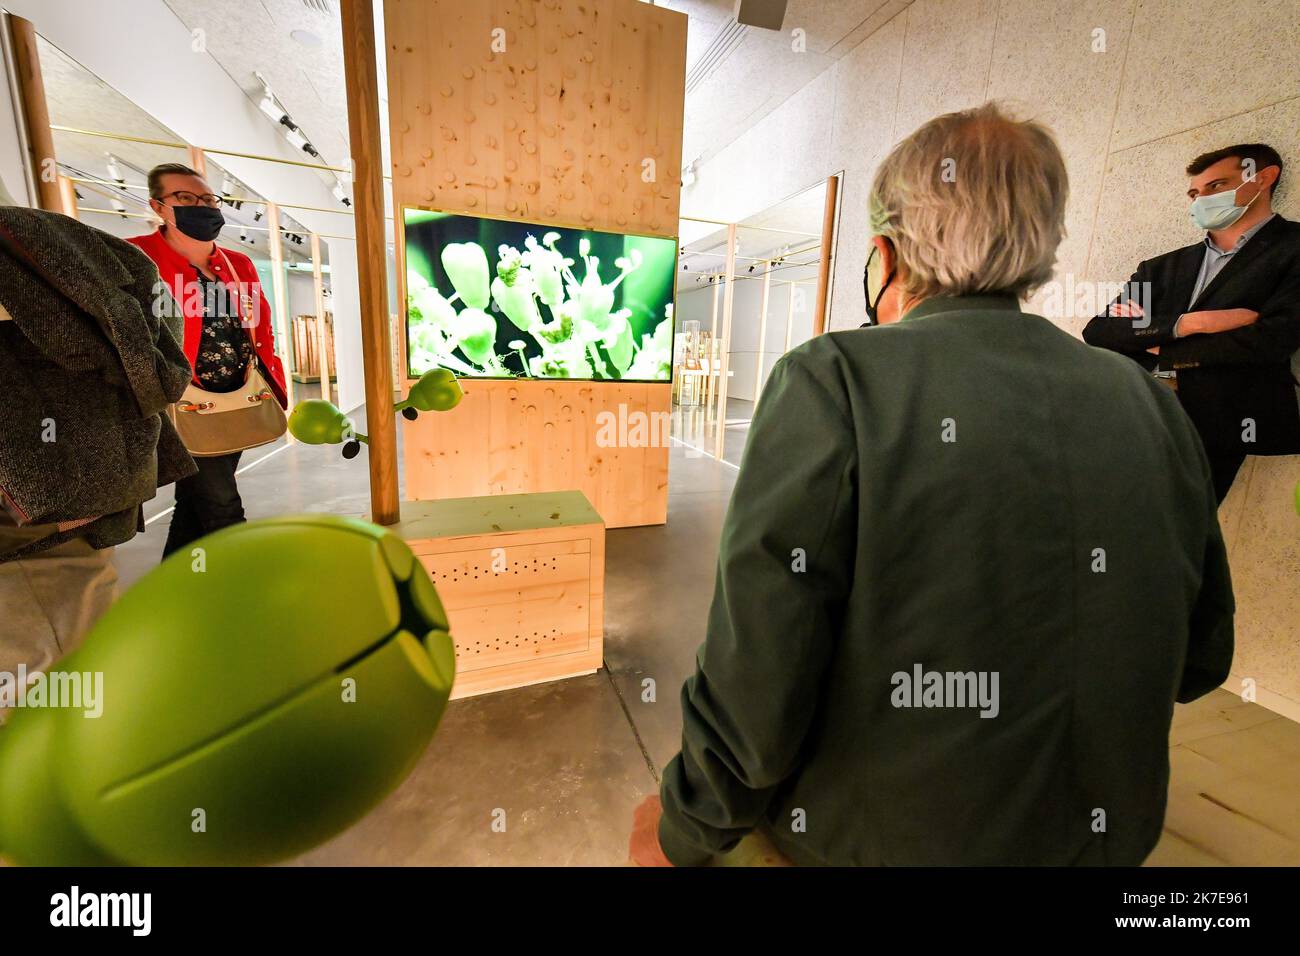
(566,762)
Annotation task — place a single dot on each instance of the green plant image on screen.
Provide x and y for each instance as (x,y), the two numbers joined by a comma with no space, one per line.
(499,299)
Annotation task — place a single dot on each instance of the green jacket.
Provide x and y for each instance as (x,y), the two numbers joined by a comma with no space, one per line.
(968,495)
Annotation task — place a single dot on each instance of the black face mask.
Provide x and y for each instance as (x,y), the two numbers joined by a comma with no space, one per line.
(201,223)
(868,280)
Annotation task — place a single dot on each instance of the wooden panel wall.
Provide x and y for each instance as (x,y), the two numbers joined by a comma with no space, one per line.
(511,437)
(546,111)
(554,129)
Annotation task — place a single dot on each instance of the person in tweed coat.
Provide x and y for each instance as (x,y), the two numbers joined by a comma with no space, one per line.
(89,361)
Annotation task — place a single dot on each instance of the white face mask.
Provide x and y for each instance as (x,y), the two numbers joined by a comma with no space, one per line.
(1219,210)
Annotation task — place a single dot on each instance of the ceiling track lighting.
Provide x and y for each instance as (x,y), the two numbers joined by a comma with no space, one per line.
(276,112)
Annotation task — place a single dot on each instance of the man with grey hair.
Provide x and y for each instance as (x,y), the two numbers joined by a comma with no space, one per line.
(952,615)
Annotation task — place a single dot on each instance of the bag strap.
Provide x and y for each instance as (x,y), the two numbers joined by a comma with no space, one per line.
(246,312)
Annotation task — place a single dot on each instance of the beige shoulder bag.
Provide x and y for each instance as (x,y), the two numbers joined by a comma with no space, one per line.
(221,423)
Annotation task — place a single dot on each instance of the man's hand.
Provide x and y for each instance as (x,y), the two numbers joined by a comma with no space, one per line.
(1127,309)
(1210,321)
(643,846)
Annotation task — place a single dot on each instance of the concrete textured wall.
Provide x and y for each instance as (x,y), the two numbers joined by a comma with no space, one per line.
(1163,81)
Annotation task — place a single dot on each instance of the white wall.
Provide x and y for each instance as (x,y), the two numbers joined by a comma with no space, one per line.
(301,294)
(347,335)
(696,303)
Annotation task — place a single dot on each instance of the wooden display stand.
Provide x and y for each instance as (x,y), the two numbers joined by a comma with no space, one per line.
(565,112)
(525,435)
(522,578)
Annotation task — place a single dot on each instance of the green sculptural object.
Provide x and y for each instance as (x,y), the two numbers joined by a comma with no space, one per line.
(260,693)
(436,391)
(318,422)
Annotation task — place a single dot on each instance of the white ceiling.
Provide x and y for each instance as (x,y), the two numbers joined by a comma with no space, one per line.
(737,74)
(251,36)
(754,74)
(79,99)
(791,230)
(748,76)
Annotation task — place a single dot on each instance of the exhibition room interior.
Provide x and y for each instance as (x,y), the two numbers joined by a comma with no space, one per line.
(542,278)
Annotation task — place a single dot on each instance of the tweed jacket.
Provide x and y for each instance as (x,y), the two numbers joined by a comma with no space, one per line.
(89,361)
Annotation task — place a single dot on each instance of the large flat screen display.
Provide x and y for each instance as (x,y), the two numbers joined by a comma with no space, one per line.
(494,298)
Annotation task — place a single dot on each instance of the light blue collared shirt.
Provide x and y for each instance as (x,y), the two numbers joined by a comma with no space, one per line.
(1215,258)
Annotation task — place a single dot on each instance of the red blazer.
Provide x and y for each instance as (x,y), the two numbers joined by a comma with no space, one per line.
(175,269)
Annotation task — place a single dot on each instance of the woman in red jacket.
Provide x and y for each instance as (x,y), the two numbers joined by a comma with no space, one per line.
(208,283)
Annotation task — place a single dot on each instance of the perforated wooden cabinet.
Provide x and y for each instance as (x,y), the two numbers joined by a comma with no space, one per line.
(522,578)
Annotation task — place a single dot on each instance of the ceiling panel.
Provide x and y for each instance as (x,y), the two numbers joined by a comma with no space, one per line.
(79,99)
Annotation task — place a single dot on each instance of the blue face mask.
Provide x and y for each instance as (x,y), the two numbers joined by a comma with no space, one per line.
(1219,210)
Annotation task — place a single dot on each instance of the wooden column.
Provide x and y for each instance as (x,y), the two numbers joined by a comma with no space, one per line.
(361,75)
(828,246)
(713,328)
(728,300)
(707,381)
(198,161)
(789,317)
(68,197)
(279,302)
(322,339)
(35,114)
(762,331)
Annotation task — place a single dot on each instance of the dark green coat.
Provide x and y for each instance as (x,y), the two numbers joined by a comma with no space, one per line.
(970,490)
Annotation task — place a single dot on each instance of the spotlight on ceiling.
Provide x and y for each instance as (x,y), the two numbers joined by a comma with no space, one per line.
(765,14)
(276,112)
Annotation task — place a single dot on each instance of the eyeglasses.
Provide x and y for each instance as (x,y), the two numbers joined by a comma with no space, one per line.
(186,198)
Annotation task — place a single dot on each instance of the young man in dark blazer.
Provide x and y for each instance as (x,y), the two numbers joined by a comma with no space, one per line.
(1223,315)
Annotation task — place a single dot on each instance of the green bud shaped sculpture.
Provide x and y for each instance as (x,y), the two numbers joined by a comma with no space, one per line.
(318,422)
(436,391)
(259,696)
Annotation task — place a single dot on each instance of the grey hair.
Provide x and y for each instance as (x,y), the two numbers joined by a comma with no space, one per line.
(974,202)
